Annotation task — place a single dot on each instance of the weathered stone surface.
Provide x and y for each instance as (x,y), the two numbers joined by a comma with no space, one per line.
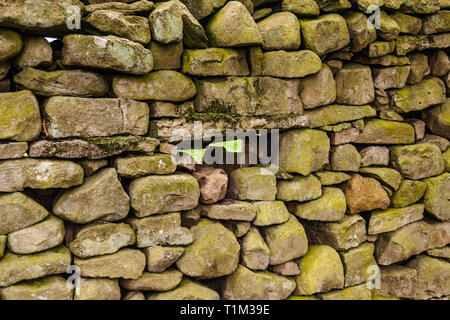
(39,237)
(215,62)
(440,252)
(213,184)
(393,218)
(289,268)
(252,96)
(141,6)
(358,264)
(417,161)
(333,32)
(321,270)
(255,254)
(439,63)
(286,241)
(36,52)
(166,85)
(98,289)
(160,230)
(20,117)
(386,176)
(310,94)
(40,17)
(374,156)
(106,52)
(285,64)
(345,158)
(408,193)
(15,268)
(436,23)
(406,44)
(304,151)
(187,290)
(280,31)
(172,22)
(233,26)
(438,141)
(334,114)
(364,194)
(422,7)
(301,7)
(229,209)
(62,82)
(166,56)
(100,196)
(15,175)
(101,239)
(377,131)
(419,67)
(380,48)
(19,211)
(436,197)
(48,288)
(354,85)
(330,206)
(111,22)
(299,189)
(433,277)
(406,23)
(398,281)
(159,194)
(92,148)
(361,32)
(83,117)
(333,6)
(214,252)
(126,263)
(390,77)
(160,258)
(438,119)
(136,166)
(252,183)
(409,240)
(360,292)
(419,96)
(349,232)
(163,281)
(265,285)
(270,213)
(329,178)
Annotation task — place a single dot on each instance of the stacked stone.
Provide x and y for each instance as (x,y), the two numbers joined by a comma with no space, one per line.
(89,178)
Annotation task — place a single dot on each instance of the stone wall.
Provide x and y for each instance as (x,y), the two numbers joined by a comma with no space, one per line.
(358,207)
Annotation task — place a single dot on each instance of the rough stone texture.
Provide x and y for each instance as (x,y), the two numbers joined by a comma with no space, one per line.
(333,32)
(163,281)
(229,209)
(214,252)
(321,270)
(39,237)
(280,31)
(86,118)
(436,198)
(98,289)
(286,241)
(137,166)
(331,206)
(160,258)
(349,232)
(265,285)
(15,175)
(106,52)
(101,239)
(354,85)
(377,131)
(437,119)
(285,64)
(270,212)
(148,231)
(252,184)
(408,193)
(20,117)
(126,263)
(213,184)
(48,288)
(101,196)
(15,268)
(164,85)
(393,218)
(167,193)
(255,254)
(37,52)
(358,264)
(304,151)
(299,189)
(77,83)
(187,290)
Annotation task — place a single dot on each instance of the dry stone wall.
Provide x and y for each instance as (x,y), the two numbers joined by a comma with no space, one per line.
(91,190)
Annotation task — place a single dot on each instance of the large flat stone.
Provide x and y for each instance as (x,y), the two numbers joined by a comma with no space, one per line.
(85,118)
